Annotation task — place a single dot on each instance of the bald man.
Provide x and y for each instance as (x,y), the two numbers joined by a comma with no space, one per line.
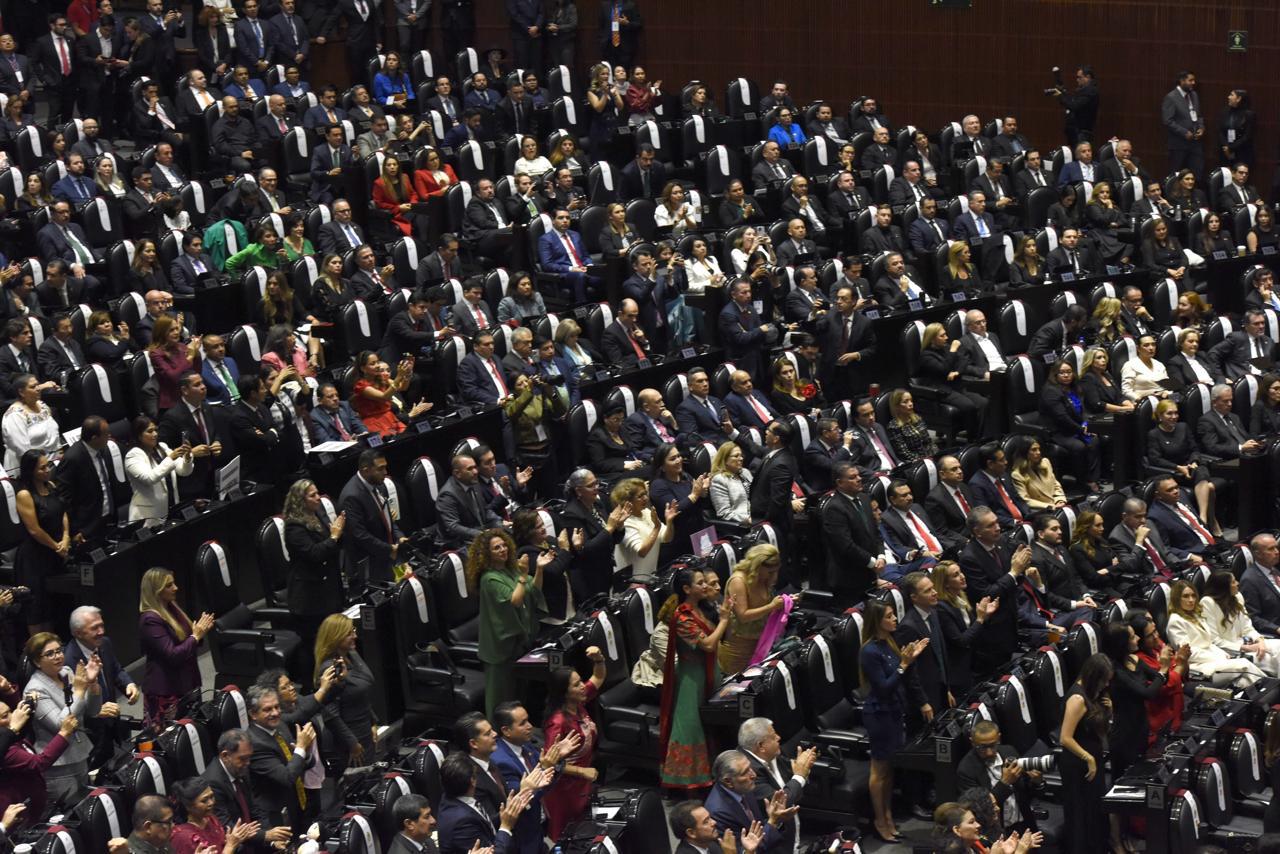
(651,425)
(235,138)
(747,405)
(277,122)
(623,341)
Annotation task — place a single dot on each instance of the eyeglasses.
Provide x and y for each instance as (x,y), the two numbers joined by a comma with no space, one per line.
(52,653)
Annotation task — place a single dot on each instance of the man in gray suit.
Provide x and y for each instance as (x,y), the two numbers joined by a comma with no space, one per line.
(1141,550)
(1260,584)
(1181,116)
(759,741)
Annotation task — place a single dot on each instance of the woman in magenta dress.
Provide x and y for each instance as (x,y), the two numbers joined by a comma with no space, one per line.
(568,694)
(202,828)
(372,403)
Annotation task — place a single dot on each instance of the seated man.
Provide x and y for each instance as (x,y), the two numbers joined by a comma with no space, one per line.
(1177,523)
(928,231)
(993,487)
(952,500)
(908,531)
(1123,166)
(325,113)
(898,287)
(1134,316)
(797,248)
(822,454)
(649,290)
(909,188)
(1140,548)
(623,341)
(235,138)
(976,223)
(1080,170)
(75,186)
(60,354)
(879,152)
(1258,584)
(1058,335)
(645,176)
(799,204)
(329,160)
(651,425)
(747,405)
(701,416)
(773,168)
(473,315)
(1239,192)
(334,420)
(1009,143)
(340,234)
(191,265)
(1033,175)
(487,222)
(461,506)
(481,379)
(1050,559)
(64,239)
(883,236)
(995,187)
(561,251)
(1220,431)
(993,767)
(89,639)
(1233,356)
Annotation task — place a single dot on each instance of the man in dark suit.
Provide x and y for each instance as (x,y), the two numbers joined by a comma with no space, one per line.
(1233,356)
(53,57)
(1142,551)
(992,487)
(1258,585)
(998,192)
(623,341)
(848,343)
(1123,166)
(15,71)
(236,138)
(253,40)
(1082,169)
(1057,336)
(91,480)
(1135,319)
(805,305)
(976,222)
(64,239)
(908,530)
(17,356)
(833,129)
(60,354)
(1071,257)
(970,143)
(879,153)
(701,416)
(1221,432)
(444,102)
(928,231)
(773,497)
(800,205)
(736,809)
(651,425)
(481,379)
(461,506)
(255,436)
(411,816)
(1052,568)
(373,539)
(89,639)
(748,407)
(408,332)
(645,176)
(328,160)
(193,420)
(276,766)
(993,767)
(191,265)
(561,251)
(142,212)
(898,286)
(759,742)
(325,113)
(60,291)
(1239,192)
(472,314)
(855,552)
(463,823)
(951,500)
(364,30)
(289,38)
(742,333)
(519,357)
(649,292)
(332,419)
(194,98)
(920,620)
(166,175)
(481,97)
(772,169)
(471,127)
(340,234)
(99,70)
(817,465)
(1181,530)
(872,451)
(981,353)
(1181,116)
(514,115)
(372,283)
(696,831)
(163,27)
(869,118)
(487,222)
(1009,143)
(1033,175)
(909,188)
(1081,106)
(233,797)
(844,202)
(990,570)
(276,123)
(797,248)
(883,236)
(155,119)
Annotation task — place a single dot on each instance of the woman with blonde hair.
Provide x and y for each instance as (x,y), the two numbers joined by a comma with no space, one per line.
(1108,225)
(962,623)
(351,730)
(1172,451)
(731,485)
(571,345)
(907,431)
(511,607)
(1104,327)
(750,589)
(939,368)
(1190,624)
(1102,396)
(643,530)
(959,275)
(170,644)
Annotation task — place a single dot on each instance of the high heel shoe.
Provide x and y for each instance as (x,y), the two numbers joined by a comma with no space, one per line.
(897,837)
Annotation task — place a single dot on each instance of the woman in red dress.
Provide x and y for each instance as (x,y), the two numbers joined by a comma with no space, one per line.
(1164,709)
(202,828)
(372,403)
(437,177)
(393,193)
(568,694)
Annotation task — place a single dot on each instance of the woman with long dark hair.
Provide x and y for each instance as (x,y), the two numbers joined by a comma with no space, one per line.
(153,469)
(1236,130)
(1189,625)
(373,403)
(1164,711)
(669,482)
(393,192)
(43,551)
(569,722)
(939,368)
(690,674)
(1227,619)
(1086,718)
(1093,556)
(532,540)
(1062,408)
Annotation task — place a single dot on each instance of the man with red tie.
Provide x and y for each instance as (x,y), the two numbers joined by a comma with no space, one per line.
(228,777)
(52,55)
(561,251)
(480,378)
(993,487)
(909,531)
(623,341)
(651,425)
(747,406)
(951,501)
(472,314)
(1183,532)
(743,335)
(1140,548)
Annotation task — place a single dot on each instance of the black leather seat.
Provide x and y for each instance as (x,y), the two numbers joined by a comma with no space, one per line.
(435,684)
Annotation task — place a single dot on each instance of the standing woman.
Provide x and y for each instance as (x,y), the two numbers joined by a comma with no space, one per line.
(315,549)
(688,677)
(751,589)
(642,530)
(669,483)
(569,721)
(606,105)
(1085,721)
(351,731)
(170,359)
(511,605)
(962,623)
(372,403)
(1236,129)
(153,469)
(61,693)
(530,534)
(43,550)
(28,423)
(1133,685)
(170,644)
(1165,709)
(886,679)
(533,410)
(1063,411)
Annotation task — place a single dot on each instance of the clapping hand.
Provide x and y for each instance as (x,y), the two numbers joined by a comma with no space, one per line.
(203,626)
(672,511)
(777,810)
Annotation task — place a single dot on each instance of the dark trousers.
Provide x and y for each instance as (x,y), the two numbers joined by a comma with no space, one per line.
(1187,158)
(459,26)
(62,99)
(527,49)
(413,38)
(1086,459)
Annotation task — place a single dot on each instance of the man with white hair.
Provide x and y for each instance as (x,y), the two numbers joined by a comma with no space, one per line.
(736,806)
(651,425)
(761,744)
(89,639)
(1260,584)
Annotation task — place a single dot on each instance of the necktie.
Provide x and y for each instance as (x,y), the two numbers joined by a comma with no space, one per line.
(293,28)
(297,783)
(63,58)
(333,119)
(71,357)
(845,332)
(1194,524)
(572,250)
(380,499)
(1231,428)
(164,117)
(644,181)
(1039,179)
(246,814)
(929,542)
(761,412)
(448,106)
(363,9)
(481,320)
(1008,503)
(351,235)
(198,266)
(477,507)
(635,345)
(257,34)
(964,505)
(1156,560)
(498,379)
(223,374)
(937,229)
(80,189)
(1075,261)
(661,430)
(25,363)
(777,170)
(342,431)
(106,481)
(337,157)
(284,128)
(983,231)
(886,457)
(82,253)
(204,433)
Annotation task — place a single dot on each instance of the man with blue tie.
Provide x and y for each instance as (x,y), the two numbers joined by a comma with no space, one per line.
(481,97)
(191,265)
(253,40)
(75,186)
(561,251)
(701,416)
(651,425)
(328,159)
(978,225)
(289,38)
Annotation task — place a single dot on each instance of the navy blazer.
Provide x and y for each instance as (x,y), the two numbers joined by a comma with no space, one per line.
(964,228)
(694,418)
(744,414)
(459,827)
(317,118)
(1180,540)
(248,51)
(730,814)
(113,679)
(475,384)
(984,492)
(325,431)
(183,275)
(218,392)
(818,461)
(284,45)
(528,830)
(52,243)
(366,534)
(888,689)
(645,439)
(923,238)
(1261,599)
(321,163)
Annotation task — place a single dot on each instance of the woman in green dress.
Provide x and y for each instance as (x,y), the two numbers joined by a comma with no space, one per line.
(511,605)
(689,675)
(265,251)
(295,242)
(751,586)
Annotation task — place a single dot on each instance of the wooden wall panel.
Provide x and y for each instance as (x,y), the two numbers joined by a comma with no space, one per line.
(929,66)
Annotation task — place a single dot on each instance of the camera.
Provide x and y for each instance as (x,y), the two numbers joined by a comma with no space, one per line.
(1036,763)
(1058,86)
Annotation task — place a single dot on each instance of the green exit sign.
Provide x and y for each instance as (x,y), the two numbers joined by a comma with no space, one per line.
(952,4)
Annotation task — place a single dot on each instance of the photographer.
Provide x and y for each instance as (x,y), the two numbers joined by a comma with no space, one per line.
(533,410)
(22,771)
(996,768)
(1081,105)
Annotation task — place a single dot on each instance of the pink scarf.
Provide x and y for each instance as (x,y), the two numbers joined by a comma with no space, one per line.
(773,629)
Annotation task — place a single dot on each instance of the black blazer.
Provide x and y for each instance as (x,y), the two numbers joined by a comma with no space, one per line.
(945,512)
(606,456)
(972,773)
(936,365)
(990,577)
(1165,451)
(205,45)
(1216,439)
(852,543)
(592,570)
(1179,369)
(315,577)
(272,778)
(81,490)
(960,642)
(611,242)
(771,490)
(1096,395)
(177,423)
(1264,421)
(633,187)
(226,806)
(1060,416)
(256,439)
(366,533)
(931,666)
